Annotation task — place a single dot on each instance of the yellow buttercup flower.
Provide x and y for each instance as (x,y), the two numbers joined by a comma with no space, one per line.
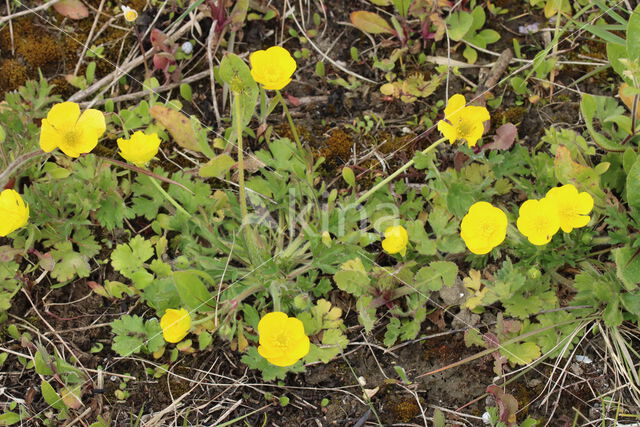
(395,240)
(140,148)
(463,122)
(272,68)
(538,220)
(483,228)
(73,133)
(572,207)
(129,13)
(14,212)
(282,339)
(175,325)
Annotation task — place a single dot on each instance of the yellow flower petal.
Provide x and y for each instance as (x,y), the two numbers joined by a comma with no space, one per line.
(175,325)
(13,211)
(64,116)
(448,131)
(455,105)
(50,138)
(140,149)
(395,240)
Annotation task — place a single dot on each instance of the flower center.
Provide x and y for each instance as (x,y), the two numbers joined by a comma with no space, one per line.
(281,341)
(464,128)
(72,137)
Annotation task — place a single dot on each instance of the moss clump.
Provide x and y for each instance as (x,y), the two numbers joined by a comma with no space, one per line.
(337,146)
(404,410)
(12,75)
(510,115)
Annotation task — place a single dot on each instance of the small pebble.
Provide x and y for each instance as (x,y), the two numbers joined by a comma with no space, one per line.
(187,47)
(583,359)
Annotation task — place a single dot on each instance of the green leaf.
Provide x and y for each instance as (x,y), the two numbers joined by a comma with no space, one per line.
(41,364)
(217,167)
(631,303)
(129,258)
(186,92)
(614,53)
(235,72)
(251,315)
(436,275)
(52,398)
(612,314)
(9,418)
(348,176)
(352,277)
(69,263)
(633,35)
(627,266)
(370,22)
(459,24)
(194,294)
(521,353)
(470,54)
(204,340)
(269,372)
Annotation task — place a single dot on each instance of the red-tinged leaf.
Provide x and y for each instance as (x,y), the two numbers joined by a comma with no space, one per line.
(370,22)
(72,9)
(459,160)
(293,100)
(178,125)
(504,139)
(507,404)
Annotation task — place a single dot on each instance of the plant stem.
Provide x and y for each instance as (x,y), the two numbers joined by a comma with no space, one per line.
(294,130)
(17,163)
(406,166)
(169,198)
(238,119)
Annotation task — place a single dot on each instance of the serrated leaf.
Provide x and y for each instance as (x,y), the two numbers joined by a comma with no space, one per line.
(436,275)
(129,258)
(352,277)
(370,22)
(627,266)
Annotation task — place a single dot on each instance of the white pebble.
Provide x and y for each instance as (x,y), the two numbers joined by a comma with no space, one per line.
(583,359)
(187,47)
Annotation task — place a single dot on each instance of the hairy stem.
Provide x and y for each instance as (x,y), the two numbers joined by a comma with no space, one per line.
(400,170)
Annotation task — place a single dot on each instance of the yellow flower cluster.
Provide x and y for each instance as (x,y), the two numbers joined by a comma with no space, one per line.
(484,227)
(562,208)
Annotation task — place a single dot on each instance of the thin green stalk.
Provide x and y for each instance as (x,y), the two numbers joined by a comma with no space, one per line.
(391,177)
(294,130)
(238,119)
(169,198)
